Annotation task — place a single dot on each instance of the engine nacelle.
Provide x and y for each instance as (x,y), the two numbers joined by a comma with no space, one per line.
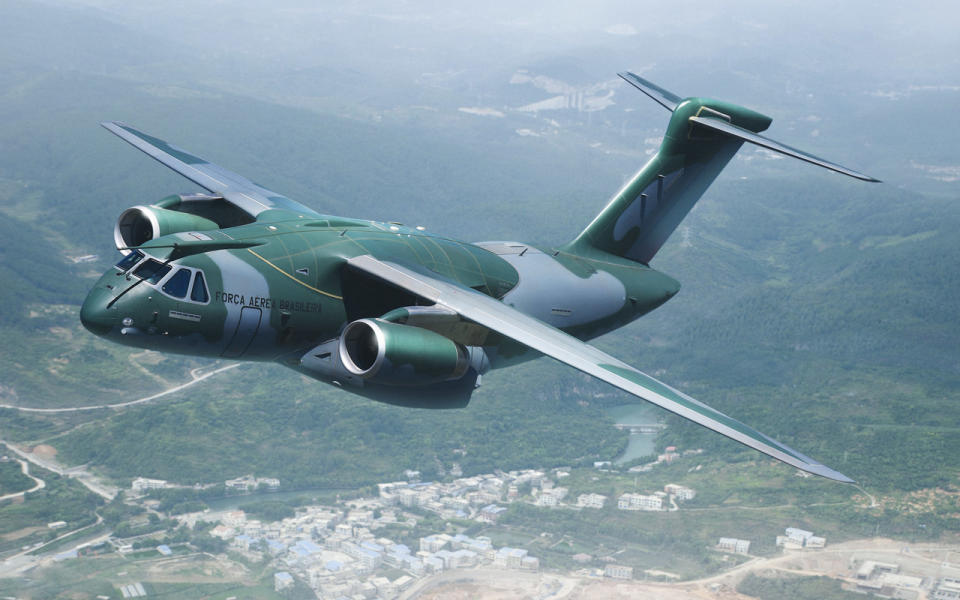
(387,353)
(143,223)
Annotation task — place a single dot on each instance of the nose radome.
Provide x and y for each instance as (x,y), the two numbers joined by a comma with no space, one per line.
(93,313)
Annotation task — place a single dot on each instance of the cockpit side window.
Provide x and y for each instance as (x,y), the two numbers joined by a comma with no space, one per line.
(152,270)
(129,260)
(177,285)
(199,292)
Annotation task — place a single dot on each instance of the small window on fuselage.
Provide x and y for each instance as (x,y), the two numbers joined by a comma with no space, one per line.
(199,292)
(152,270)
(177,285)
(129,260)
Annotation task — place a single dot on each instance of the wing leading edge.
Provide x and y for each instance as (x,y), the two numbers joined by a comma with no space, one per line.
(236,189)
(548,340)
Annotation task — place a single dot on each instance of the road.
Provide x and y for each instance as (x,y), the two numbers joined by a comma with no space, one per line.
(197,377)
(14,565)
(80,473)
(25,469)
(22,561)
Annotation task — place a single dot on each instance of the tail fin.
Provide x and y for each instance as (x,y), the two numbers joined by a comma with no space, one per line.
(701,138)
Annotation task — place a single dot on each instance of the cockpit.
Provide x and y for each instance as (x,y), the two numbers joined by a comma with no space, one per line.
(180,283)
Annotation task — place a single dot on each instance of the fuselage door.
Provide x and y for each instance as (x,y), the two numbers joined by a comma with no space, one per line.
(246,330)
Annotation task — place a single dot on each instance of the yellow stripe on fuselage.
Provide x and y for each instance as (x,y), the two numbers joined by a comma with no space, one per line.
(309,287)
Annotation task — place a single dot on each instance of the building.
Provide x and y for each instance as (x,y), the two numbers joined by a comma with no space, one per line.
(248,483)
(869,568)
(591,500)
(490,513)
(618,572)
(511,558)
(734,545)
(282,581)
(799,538)
(639,502)
(798,535)
(243,541)
(681,492)
(241,484)
(947,589)
(548,500)
(582,558)
(434,543)
(892,585)
(271,483)
(223,532)
(141,485)
(234,518)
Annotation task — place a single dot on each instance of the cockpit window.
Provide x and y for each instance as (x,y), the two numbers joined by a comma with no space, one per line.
(129,260)
(152,270)
(177,285)
(199,292)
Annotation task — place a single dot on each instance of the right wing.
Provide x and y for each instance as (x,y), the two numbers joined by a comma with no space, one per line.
(536,334)
(236,189)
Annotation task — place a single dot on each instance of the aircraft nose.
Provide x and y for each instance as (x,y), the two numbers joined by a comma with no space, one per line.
(93,313)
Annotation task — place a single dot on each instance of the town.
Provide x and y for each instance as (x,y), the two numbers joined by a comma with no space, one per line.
(338,552)
(379,547)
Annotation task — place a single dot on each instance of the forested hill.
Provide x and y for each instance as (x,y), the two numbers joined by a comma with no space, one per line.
(825,311)
(819,309)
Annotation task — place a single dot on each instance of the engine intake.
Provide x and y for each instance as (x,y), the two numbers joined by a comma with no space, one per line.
(384,352)
(144,223)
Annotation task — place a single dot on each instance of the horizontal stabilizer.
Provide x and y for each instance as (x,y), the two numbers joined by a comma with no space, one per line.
(728,128)
(666,99)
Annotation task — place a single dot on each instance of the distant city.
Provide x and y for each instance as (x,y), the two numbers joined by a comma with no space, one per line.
(346,550)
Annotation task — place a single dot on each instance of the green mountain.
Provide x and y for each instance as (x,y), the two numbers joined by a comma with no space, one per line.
(821,311)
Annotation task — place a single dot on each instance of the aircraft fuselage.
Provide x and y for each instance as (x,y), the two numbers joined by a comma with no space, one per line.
(275,300)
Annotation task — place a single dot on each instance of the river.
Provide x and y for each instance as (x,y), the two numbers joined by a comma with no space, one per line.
(640,444)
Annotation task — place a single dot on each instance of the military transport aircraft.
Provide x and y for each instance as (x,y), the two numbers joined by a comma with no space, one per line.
(402,315)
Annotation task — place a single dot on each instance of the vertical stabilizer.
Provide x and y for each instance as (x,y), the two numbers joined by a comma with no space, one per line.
(701,138)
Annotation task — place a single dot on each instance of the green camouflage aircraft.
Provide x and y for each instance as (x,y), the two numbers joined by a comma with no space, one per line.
(401,315)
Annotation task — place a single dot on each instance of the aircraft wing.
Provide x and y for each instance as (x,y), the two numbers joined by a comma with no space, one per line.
(236,189)
(536,334)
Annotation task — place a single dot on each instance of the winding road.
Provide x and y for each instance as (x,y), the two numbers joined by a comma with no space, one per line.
(79,473)
(195,374)
(38,483)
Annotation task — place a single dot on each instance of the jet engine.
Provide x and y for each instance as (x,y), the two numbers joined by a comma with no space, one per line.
(176,214)
(384,352)
(143,223)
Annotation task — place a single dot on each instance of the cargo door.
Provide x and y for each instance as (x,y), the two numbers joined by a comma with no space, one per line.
(246,330)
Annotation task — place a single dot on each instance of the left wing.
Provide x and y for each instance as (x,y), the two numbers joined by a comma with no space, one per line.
(539,336)
(236,189)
